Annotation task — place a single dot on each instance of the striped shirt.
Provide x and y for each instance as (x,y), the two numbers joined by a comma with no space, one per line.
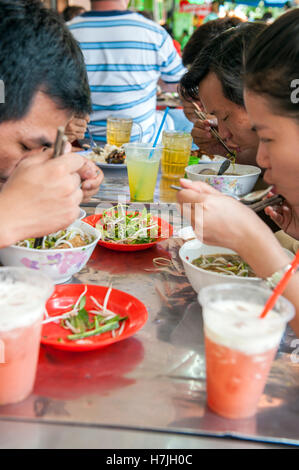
(125,55)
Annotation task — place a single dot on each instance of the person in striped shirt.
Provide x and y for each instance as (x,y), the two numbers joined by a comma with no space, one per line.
(125,56)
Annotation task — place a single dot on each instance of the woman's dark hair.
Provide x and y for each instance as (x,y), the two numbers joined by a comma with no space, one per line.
(204,34)
(38,53)
(71,12)
(224,57)
(272,64)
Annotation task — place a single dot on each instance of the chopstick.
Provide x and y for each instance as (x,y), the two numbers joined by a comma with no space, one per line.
(177,188)
(259,206)
(203,117)
(59,148)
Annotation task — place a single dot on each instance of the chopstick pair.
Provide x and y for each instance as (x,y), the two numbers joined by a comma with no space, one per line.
(257,206)
(59,148)
(203,117)
(60,143)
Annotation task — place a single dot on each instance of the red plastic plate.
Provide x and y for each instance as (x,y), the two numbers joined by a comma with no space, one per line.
(119,302)
(165,229)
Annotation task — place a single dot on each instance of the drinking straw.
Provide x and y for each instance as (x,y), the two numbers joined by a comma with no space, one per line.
(281,286)
(159,132)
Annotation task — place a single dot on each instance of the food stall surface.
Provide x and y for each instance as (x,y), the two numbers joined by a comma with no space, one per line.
(147,391)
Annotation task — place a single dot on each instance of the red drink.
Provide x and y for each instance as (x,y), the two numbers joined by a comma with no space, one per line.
(240,346)
(17,373)
(23,295)
(235,381)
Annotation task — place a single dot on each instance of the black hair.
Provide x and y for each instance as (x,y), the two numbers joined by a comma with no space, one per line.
(267,16)
(168,29)
(204,34)
(38,53)
(224,57)
(71,12)
(272,64)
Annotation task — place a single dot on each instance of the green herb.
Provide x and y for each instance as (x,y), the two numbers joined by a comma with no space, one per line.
(81,323)
(120,226)
(97,331)
(49,242)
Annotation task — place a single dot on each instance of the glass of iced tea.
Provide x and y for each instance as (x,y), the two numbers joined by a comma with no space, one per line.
(176,153)
(119,130)
(239,345)
(23,295)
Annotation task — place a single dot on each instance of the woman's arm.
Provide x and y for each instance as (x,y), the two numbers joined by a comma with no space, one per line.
(223,221)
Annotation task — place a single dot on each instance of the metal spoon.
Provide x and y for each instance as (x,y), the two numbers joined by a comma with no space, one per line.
(223,167)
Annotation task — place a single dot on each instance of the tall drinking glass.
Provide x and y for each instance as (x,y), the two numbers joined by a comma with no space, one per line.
(176,153)
(240,346)
(119,130)
(23,295)
(143,164)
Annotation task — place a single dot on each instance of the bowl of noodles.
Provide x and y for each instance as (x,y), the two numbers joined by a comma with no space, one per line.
(60,255)
(206,265)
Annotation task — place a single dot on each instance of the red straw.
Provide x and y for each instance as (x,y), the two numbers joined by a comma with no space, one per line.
(281,286)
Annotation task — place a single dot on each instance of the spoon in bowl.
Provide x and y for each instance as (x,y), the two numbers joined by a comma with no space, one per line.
(222,169)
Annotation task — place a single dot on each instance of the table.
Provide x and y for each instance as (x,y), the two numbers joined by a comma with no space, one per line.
(147,391)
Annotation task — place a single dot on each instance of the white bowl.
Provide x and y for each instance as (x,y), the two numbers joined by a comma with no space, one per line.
(59,265)
(199,277)
(237,185)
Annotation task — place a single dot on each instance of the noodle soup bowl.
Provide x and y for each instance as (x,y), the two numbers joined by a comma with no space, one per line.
(199,277)
(238,184)
(58,264)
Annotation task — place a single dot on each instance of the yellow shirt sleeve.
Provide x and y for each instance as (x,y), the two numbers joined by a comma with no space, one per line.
(287,242)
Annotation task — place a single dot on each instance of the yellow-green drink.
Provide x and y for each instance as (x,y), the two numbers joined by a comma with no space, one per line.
(143,165)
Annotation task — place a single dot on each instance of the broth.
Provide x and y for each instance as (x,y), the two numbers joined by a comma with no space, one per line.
(229,264)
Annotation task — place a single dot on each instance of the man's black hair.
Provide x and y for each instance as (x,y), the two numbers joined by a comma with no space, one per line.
(38,53)
(223,56)
(203,35)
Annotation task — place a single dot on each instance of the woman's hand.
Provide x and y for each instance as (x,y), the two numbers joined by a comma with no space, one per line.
(285,217)
(223,221)
(215,218)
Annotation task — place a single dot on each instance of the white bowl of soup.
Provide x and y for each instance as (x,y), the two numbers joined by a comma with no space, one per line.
(200,277)
(59,260)
(238,180)
(201,274)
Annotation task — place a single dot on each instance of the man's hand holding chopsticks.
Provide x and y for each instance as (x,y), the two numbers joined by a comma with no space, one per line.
(41,196)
